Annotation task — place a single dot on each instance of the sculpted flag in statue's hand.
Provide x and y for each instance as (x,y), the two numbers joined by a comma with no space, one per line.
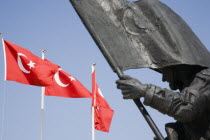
(24,67)
(65,85)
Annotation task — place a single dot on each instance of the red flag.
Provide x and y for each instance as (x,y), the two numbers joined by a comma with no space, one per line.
(24,67)
(65,85)
(103,113)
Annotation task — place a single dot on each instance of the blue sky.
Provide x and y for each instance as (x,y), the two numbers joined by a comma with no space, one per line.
(54,25)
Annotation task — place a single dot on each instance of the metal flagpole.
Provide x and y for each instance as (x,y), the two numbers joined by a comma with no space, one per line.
(93,121)
(94,103)
(5,62)
(4,92)
(42,106)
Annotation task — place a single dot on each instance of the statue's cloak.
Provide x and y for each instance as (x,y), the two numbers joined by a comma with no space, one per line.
(144,33)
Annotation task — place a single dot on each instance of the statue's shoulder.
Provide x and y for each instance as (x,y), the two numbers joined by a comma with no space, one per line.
(204,74)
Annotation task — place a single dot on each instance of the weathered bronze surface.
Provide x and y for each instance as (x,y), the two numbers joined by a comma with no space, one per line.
(144,33)
(149,34)
(190,107)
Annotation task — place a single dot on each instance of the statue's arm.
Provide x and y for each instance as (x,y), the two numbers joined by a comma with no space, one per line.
(184,106)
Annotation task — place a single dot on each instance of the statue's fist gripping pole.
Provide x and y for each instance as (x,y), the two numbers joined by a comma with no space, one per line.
(131,88)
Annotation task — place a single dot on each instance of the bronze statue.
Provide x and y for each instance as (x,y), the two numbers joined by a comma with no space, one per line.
(190,107)
(148,34)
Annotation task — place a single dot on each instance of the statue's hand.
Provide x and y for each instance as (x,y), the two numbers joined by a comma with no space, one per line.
(131,88)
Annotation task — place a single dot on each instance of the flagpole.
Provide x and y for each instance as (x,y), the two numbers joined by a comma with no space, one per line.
(5,62)
(93,128)
(94,103)
(42,105)
(4,92)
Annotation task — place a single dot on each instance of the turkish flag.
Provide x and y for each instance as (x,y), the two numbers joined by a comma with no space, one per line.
(24,67)
(65,85)
(103,113)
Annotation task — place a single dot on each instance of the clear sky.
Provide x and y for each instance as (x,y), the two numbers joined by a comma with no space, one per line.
(55,26)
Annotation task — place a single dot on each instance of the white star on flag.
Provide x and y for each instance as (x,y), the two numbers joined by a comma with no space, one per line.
(72,78)
(31,64)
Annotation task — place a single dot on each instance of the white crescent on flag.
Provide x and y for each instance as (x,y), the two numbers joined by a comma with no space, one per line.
(99,91)
(20,64)
(58,81)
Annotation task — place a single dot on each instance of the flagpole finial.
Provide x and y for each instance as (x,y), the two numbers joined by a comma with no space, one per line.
(93,67)
(44,51)
(0,34)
